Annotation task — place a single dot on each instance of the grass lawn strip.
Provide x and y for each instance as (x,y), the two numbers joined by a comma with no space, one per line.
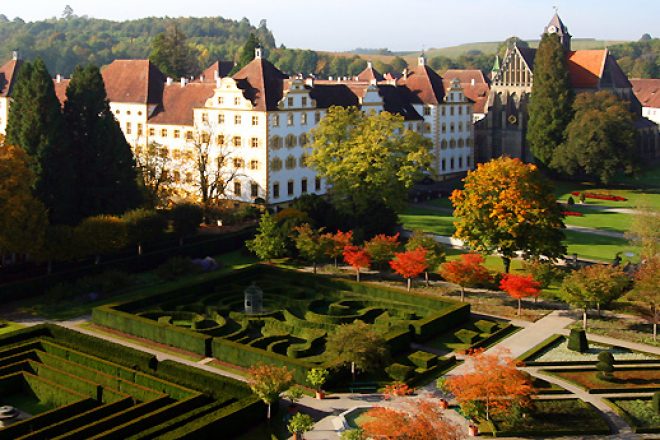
(559,352)
(639,413)
(632,330)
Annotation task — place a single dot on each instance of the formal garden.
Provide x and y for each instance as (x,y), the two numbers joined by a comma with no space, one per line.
(58,383)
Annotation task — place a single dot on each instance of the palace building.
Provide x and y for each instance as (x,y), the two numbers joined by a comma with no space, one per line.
(257,122)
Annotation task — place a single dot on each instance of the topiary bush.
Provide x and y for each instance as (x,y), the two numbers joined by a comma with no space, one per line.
(605,365)
(423,359)
(467,336)
(399,372)
(577,341)
(656,402)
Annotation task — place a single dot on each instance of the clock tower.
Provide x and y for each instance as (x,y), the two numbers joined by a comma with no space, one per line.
(556,26)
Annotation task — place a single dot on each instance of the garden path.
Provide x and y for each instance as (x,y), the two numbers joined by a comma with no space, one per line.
(637,346)
(594,231)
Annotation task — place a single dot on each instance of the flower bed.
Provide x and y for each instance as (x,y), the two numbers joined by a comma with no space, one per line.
(600,196)
(572,214)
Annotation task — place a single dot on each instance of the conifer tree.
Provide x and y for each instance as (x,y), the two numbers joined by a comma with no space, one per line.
(36,125)
(550,108)
(104,164)
(247,53)
(173,55)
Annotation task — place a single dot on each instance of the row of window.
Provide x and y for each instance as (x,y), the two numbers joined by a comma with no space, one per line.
(453,143)
(289,163)
(128,112)
(290,141)
(452,127)
(254,190)
(452,163)
(290,187)
(290,119)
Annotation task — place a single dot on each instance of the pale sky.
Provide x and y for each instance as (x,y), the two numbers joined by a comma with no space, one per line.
(397,25)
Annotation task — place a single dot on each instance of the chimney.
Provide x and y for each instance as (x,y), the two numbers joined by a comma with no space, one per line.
(309,82)
(217,83)
(15,55)
(405,73)
(421,61)
(58,78)
(472,82)
(369,65)
(184,82)
(201,78)
(330,78)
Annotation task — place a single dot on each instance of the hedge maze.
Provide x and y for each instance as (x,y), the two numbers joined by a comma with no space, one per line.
(103,390)
(299,311)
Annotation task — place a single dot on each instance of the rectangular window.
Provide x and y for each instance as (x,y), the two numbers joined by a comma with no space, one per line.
(205,117)
(460,109)
(303,185)
(237,141)
(255,120)
(289,119)
(317,184)
(427,111)
(304,101)
(444,164)
(237,189)
(444,128)
(152,132)
(189,177)
(237,120)
(303,119)
(254,142)
(289,187)
(221,139)
(460,162)
(139,129)
(128,128)
(276,190)
(451,111)
(177,134)
(290,102)
(221,119)
(442,111)
(221,100)
(189,135)
(317,117)
(276,120)
(254,190)
(237,100)
(206,138)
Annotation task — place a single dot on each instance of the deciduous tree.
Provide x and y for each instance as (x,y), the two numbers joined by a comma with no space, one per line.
(337,243)
(268,382)
(421,419)
(600,140)
(358,345)
(646,292)
(645,230)
(550,108)
(310,243)
(467,271)
(410,264)
(101,234)
(381,248)
(143,226)
(247,52)
(358,258)
(507,206)
(435,252)
(186,218)
(519,287)
(493,386)
(367,158)
(269,242)
(155,170)
(300,423)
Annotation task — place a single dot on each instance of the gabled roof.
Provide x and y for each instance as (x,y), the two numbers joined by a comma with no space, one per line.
(330,93)
(60,86)
(179,102)
(528,54)
(560,27)
(647,91)
(133,81)
(425,85)
(219,69)
(397,100)
(8,75)
(474,84)
(262,83)
(369,74)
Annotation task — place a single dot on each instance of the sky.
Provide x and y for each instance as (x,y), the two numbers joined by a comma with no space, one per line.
(398,25)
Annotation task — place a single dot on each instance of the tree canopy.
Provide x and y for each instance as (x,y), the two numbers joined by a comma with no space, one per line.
(359,345)
(174,55)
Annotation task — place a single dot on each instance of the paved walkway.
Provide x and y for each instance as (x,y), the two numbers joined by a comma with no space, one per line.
(617,342)
(594,231)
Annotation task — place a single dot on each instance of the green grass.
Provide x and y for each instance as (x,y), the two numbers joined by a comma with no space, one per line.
(147,283)
(428,220)
(640,411)
(357,417)
(607,221)
(7,327)
(448,342)
(26,402)
(598,247)
(636,197)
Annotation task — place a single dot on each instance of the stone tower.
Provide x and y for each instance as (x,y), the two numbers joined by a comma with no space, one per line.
(556,26)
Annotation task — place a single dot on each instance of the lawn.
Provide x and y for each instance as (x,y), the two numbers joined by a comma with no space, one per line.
(558,351)
(478,329)
(607,221)
(639,412)
(597,247)
(27,402)
(627,329)
(6,327)
(636,197)
(624,379)
(428,220)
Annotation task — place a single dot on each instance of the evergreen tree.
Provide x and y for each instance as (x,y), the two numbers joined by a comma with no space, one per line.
(104,164)
(247,53)
(172,54)
(550,109)
(36,125)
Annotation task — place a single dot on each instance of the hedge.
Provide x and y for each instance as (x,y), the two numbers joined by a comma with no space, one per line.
(539,347)
(494,337)
(423,359)
(215,385)
(399,372)
(441,321)
(628,418)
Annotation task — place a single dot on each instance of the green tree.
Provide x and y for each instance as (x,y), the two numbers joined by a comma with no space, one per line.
(646,292)
(645,230)
(173,55)
(398,64)
(35,124)
(550,108)
(507,206)
(508,43)
(435,252)
(104,165)
(144,226)
(300,423)
(59,245)
(102,234)
(186,218)
(600,140)
(155,171)
(247,53)
(358,345)
(367,158)
(311,244)
(268,382)
(269,242)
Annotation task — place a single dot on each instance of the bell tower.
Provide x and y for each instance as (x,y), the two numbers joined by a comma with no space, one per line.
(556,26)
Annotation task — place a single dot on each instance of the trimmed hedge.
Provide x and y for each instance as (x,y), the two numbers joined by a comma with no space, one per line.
(539,347)
(212,384)
(423,359)
(399,372)
(494,337)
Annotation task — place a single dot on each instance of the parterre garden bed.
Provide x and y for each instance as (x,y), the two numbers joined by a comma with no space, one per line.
(300,310)
(74,386)
(638,412)
(637,379)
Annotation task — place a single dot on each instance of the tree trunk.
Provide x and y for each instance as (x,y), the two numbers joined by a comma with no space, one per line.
(462,294)
(268,413)
(598,307)
(426,278)
(584,318)
(358,275)
(353,370)
(409,283)
(314,265)
(507,264)
(655,331)
(139,248)
(519,306)
(336,265)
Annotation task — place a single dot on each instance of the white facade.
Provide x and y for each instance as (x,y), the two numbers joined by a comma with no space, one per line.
(651,113)
(4,114)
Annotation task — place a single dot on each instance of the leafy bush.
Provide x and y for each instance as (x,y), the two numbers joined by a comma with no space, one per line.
(656,402)
(605,365)
(466,336)
(423,359)
(399,371)
(176,267)
(577,341)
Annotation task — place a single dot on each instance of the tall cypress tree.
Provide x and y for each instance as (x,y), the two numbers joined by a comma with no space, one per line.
(550,108)
(104,166)
(36,125)
(247,53)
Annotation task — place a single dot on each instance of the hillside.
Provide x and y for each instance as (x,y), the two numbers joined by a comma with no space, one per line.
(64,43)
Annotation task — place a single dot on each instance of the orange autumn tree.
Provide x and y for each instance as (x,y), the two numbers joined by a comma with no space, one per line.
(269,381)
(519,287)
(467,271)
(358,258)
(507,206)
(493,386)
(336,243)
(421,419)
(410,264)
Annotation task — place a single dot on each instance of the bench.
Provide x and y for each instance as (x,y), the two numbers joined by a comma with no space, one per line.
(363,387)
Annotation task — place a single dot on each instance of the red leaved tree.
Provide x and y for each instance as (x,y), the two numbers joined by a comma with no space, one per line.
(468,271)
(493,385)
(410,264)
(336,243)
(381,248)
(357,257)
(520,286)
(421,419)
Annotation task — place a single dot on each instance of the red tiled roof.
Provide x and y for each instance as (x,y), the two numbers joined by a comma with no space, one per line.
(262,83)
(133,81)
(585,67)
(60,89)
(369,74)
(647,91)
(425,85)
(8,74)
(221,67)
(179,102)
(477,92)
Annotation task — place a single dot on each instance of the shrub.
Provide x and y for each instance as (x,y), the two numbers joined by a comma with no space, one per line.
(577,341)
(300,423)
(176,267)
(423,359)
(399,372)
(656,402)
(317,377)
(352,434)
(486,326)
(466,336)
(571,201)
(605,365)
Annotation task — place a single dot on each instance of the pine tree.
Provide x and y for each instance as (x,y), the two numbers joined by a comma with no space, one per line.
(247,53)
(36,125)
(104,164)
(550,108)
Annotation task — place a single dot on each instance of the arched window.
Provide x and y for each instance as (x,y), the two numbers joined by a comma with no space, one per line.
(291,141)
(302,161)
(276,142)
(302,139)
(276,164)
(290,163)
(452,143)
(443,144)
(461,143)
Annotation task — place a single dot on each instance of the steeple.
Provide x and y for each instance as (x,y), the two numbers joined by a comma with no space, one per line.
(556,26)
(496,67)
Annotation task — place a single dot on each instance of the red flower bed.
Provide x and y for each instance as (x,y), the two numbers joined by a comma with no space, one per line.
(572,214)
(601,196)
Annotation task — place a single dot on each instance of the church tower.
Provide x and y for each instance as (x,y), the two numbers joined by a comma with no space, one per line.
(556,26)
